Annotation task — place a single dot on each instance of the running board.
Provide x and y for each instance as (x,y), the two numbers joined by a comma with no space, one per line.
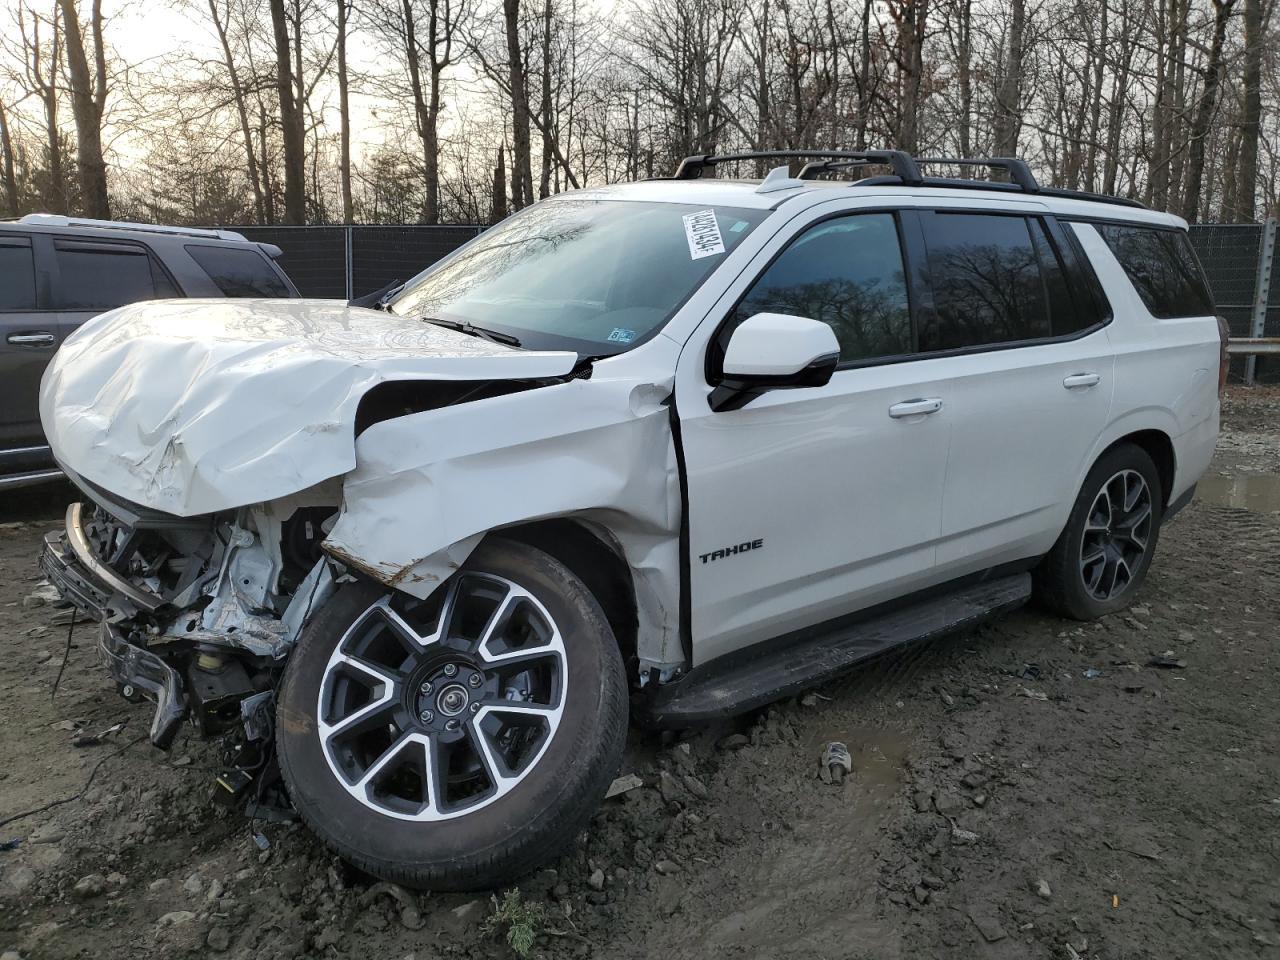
(782,669)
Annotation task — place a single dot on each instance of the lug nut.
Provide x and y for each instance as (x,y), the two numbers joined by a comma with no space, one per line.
(475,708)
(426,687)
(475,680)
(426,716)
(450,669)
(451,725)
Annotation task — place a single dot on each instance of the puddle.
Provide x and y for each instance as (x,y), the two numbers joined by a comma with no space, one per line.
(1258,492)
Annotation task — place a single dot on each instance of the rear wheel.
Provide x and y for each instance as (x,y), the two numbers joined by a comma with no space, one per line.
(1104,553)
(461,741)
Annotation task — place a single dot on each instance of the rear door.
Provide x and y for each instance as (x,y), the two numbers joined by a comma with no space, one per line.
(29,334)
(1020,352)
(93,276)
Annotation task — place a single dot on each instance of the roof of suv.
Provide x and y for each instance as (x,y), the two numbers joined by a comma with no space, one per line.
(126,230)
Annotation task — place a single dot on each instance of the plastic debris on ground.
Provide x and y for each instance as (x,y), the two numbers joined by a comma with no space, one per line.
(836,764)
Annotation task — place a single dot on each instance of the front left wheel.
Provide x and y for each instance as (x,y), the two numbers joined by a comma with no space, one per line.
(461,741)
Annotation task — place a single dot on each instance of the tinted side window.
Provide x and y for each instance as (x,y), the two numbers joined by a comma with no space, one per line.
(987,285)
(17,275)
(239,273)
(1162,267)
(98,276)
(848,273)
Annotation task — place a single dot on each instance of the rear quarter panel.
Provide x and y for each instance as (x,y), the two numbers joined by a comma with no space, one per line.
(1166,371)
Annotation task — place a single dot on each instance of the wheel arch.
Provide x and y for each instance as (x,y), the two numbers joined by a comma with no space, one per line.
(597,559)
(1158,445)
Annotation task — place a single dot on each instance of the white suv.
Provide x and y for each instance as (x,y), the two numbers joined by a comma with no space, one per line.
(688,445)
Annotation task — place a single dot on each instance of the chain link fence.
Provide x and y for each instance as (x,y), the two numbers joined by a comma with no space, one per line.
(345,262)
(1232,255)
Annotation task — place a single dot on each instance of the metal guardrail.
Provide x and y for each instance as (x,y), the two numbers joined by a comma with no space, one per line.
(1253,346)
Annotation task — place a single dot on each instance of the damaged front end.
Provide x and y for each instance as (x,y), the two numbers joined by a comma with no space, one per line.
(198,614)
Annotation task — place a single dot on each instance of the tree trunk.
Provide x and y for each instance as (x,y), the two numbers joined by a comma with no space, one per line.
(1204,110)
(1251,121)
(344,117)
(521,161)
(294,140)
(86,106)
(10,180)
(242,112)
(544,181)
(498,208)
(1008,119)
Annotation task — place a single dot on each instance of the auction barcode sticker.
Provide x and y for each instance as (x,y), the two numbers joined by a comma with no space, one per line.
(703,233)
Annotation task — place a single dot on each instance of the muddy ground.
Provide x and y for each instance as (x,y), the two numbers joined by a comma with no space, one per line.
(1031,790)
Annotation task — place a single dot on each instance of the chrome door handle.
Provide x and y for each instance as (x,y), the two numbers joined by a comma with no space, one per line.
(915,408)
(41,339)
(1077,380)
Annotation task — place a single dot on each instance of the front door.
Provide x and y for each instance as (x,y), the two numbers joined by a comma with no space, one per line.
(811,503)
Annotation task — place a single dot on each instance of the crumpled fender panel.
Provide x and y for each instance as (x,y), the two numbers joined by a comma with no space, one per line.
(196,406)
(430,485)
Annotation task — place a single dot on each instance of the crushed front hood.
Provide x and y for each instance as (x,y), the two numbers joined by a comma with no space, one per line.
(194,406)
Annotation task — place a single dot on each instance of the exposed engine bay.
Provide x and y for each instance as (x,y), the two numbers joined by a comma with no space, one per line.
(200,613)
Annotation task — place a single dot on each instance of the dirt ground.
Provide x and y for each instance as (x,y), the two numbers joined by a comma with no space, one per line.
(1030,790)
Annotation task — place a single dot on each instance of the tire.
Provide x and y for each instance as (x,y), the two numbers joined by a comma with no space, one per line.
(470,840)
(1064,581)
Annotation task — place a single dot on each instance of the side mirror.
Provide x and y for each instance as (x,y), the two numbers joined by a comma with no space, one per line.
(773,351)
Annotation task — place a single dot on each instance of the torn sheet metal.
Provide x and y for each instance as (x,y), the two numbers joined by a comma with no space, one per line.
(428,486)
(196,406)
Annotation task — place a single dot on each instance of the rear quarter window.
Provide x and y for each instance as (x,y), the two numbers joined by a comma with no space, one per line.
(1162,267)
(238,272)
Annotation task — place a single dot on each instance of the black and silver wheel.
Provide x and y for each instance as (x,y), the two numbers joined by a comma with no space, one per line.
(462,740)
(1104,552)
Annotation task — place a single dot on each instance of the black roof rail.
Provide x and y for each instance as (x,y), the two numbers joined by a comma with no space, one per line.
(898,161)
(1018,170)
(906,171)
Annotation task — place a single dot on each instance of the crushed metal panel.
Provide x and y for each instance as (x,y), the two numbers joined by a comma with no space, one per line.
(428,486)
(196,406)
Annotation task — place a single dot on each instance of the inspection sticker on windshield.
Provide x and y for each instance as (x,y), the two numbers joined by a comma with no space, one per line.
(621,335)
(703,233)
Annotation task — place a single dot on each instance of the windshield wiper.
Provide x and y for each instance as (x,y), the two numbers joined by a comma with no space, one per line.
(493,336)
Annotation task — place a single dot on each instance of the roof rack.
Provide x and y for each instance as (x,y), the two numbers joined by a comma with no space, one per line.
(906,171)
(1018,170)
(58,220)
(898,161)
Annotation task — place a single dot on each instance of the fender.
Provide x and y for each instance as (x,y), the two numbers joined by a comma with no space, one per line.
(429,486)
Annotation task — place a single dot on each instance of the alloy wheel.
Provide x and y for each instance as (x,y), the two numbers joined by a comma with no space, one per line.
(430,710)
(1117,533)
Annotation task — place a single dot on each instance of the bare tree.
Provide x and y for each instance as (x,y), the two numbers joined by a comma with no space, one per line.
(291,121)
(88,100)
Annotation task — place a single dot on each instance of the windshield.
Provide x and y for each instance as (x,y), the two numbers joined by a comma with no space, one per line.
(592,276)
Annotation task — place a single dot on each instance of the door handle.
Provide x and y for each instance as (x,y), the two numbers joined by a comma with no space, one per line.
(41,339)
(915,408)
(1078,380)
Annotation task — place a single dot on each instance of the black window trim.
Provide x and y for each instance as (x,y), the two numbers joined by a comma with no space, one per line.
(1167,228)
(714,355)
(54,241)
(21,240)
(920,286)
(274,268)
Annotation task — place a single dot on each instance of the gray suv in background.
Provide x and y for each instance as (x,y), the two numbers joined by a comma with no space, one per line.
(56,272)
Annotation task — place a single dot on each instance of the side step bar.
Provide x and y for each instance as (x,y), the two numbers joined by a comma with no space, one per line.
(713,692)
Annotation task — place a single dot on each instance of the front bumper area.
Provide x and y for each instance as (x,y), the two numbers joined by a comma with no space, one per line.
(139,671)
(101,594)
